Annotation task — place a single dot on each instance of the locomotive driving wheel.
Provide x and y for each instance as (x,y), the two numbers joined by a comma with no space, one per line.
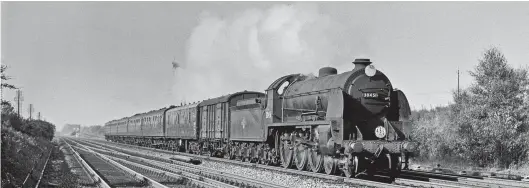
(315,159)
(329,164)
(286,153)
(300,156)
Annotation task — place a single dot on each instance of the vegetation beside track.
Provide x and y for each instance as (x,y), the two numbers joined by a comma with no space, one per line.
(486,127)
(26,146)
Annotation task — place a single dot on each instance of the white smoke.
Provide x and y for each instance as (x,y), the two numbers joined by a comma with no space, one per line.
(249,50)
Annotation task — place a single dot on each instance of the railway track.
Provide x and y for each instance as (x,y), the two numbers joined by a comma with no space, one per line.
(198,172)
(105,173)
(87,176)
(409,178)
(219,179)
(466,180)
(128,174)
(400,183)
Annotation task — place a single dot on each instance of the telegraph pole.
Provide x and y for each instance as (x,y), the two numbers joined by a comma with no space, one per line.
(30,110)
(458,84)
(19,98)
(38,116)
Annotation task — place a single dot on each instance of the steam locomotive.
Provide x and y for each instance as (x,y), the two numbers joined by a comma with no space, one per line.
(350,123)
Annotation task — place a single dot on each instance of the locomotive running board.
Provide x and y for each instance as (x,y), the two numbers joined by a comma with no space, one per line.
(303,123)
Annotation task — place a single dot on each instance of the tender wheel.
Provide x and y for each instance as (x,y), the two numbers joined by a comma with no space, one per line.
(233,153)
(329,165)
(254,155)
(265,161)
(273,158)
(263,157)
(315,160)
(270,161)
(351,169)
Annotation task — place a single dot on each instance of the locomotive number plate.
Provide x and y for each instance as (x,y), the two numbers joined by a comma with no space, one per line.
(370,95)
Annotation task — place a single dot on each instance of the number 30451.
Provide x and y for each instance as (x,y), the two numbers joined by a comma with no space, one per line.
(370,95)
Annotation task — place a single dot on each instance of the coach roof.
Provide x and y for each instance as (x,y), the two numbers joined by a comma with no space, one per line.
(225,98)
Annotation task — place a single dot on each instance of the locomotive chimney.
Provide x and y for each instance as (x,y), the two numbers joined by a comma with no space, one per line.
(326,71)
(361,63)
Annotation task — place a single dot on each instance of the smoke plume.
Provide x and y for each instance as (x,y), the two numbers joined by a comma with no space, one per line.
(250,49)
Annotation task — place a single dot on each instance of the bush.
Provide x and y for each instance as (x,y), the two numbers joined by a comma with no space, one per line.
(433,130)
(38,128)
(25,143)
(489,122)
(20,152)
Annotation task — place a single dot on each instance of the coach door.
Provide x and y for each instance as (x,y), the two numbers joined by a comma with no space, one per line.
(218,121)
(204,116)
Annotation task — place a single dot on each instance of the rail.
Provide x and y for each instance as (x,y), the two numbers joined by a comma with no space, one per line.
(31,171)
(408,182)
(126,169)
(93,175)
(194,182)
(292,171)
(209,175)
(430,179)
(43,168)
(497,182)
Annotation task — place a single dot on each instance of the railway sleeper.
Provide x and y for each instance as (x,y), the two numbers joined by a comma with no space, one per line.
(186,167)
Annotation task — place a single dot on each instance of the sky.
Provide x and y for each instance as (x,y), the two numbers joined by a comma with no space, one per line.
(91,62)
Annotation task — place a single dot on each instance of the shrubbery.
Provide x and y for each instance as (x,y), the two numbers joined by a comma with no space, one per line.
(489,122)
(35,128)
(25,144)
(20,153)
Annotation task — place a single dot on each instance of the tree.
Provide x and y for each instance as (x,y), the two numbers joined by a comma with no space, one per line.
(39,128)
(492,114)
(5,78)
(8,111)
(4,84)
